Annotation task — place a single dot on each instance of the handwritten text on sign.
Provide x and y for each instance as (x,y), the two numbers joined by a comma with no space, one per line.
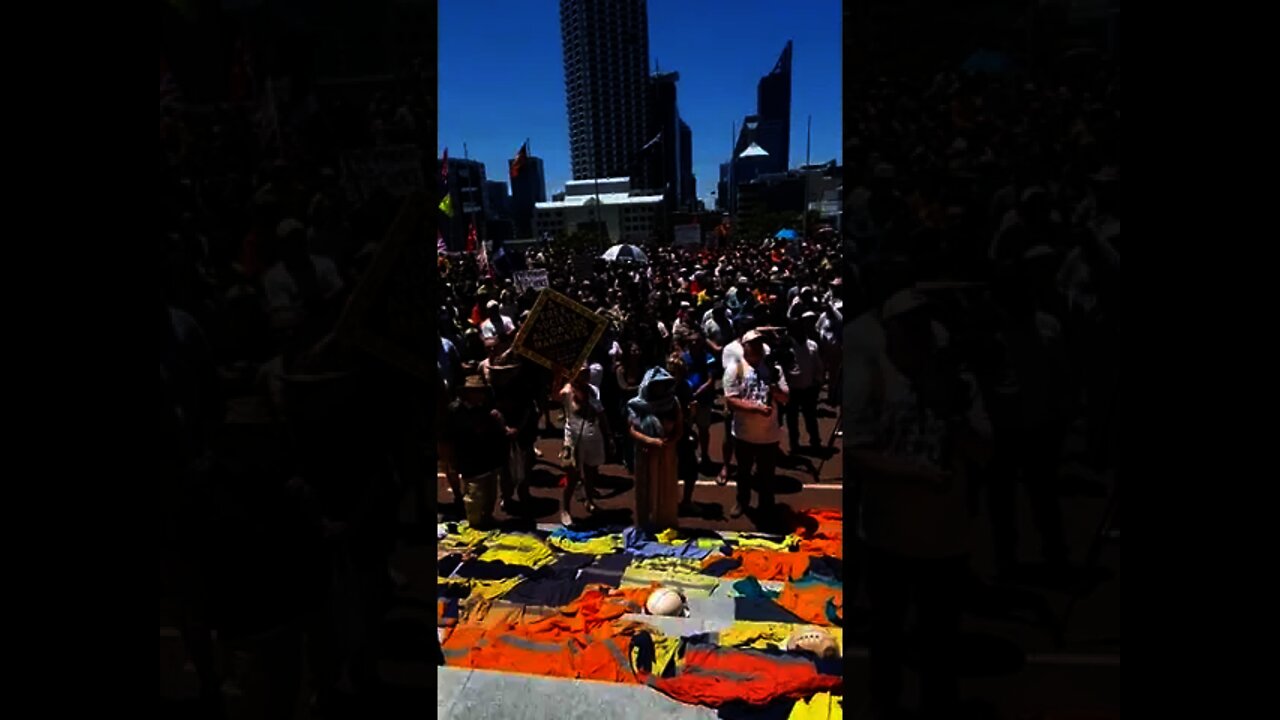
(536,279)
(559,333)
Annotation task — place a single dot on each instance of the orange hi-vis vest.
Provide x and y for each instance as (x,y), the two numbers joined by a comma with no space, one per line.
(763,564)
(582,640)
(714,676)
(814,599)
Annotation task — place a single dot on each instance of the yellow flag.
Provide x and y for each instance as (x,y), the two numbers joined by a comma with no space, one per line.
(446,205)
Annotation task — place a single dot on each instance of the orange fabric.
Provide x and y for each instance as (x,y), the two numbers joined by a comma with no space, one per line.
(821,532)
(763,564)
(807,599)
(714,676)
(581,640)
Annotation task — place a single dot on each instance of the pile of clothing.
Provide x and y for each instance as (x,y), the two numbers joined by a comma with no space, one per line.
(572,604)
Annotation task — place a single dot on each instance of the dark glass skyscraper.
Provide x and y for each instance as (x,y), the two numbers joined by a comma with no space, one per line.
(763,144)
(606,62)
(661,161)
(773,108)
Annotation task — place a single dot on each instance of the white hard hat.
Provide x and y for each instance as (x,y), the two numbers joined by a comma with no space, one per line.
(665,601)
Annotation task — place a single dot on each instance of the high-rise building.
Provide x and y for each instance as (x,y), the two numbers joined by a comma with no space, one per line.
(495,197)
(773,106)
(763,144)
(606,61)
(466,187)
(688,186)
(528,188)
(662,148)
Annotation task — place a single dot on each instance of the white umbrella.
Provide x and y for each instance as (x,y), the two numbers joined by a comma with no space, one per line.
(625,252)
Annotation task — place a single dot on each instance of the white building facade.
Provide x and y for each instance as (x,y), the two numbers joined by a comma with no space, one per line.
(628,218)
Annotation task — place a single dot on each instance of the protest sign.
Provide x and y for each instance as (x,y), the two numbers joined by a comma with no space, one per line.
(559,333)
(688,236)
(397,168)
(536,279)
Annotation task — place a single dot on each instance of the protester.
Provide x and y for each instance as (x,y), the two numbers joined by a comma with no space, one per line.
(687,464)
(921,426)
(586,435)
(656,424)
(754,389)
(513,390)
(804,378)
(479,435)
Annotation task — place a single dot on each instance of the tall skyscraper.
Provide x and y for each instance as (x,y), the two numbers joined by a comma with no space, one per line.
(466,185)
(606,62)
(527,188)
(773,106)
(688,188)
(763,144)
(661,166)
(496,198)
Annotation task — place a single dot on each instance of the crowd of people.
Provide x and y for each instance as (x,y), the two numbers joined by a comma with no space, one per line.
(749,332)
(289,453)
(984,217)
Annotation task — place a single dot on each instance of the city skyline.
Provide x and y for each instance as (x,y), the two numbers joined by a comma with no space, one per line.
(494,93)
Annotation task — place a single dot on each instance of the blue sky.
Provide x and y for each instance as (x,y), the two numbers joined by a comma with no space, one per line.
(502,77)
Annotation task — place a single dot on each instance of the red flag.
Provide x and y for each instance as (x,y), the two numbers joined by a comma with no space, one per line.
(518,164)
(444,167)
(471,237)
(477,317)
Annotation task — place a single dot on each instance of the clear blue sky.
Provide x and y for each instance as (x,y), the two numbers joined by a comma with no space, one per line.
(502,77)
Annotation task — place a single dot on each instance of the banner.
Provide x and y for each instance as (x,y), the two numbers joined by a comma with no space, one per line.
(398,168)
(559,333)
(536,279)
(688,236)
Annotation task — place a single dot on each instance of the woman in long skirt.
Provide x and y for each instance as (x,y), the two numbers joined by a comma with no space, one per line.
(656,425)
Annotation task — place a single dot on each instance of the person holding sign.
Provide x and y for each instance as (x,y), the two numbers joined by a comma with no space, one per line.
(586,432)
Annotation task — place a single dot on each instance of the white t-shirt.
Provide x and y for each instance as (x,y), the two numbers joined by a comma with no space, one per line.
(751,382)
(488,330)
(283,293)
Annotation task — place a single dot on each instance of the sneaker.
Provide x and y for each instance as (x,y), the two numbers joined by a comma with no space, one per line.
(736,511)
(566,519)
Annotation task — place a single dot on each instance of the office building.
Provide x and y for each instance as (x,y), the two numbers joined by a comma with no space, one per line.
(688,185)
(466,186)
(497,203)
(625,215)
(606,61)
(763,144)
(528,188)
